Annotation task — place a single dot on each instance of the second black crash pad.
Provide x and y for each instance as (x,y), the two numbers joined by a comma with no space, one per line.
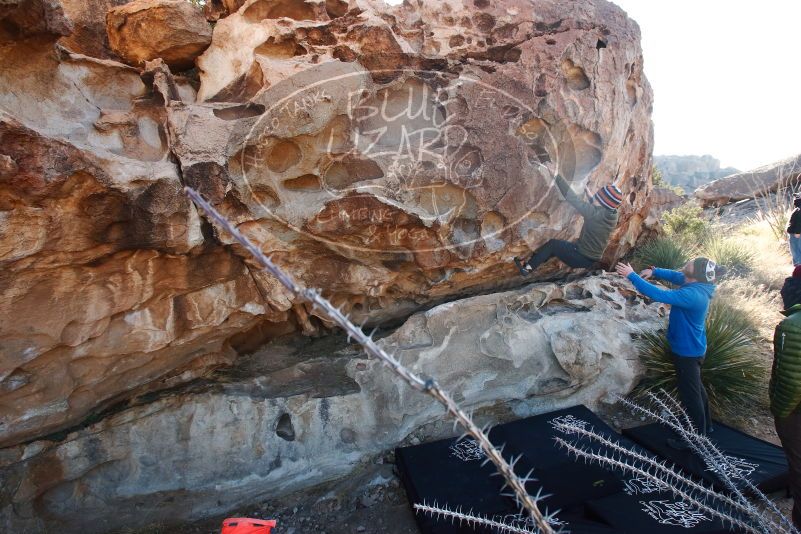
(653,513)
(450,472)
(763,463)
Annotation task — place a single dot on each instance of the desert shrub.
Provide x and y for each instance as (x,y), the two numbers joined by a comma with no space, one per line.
(733,253)
(665,252)
(733,373)
(686,223)
(659,181)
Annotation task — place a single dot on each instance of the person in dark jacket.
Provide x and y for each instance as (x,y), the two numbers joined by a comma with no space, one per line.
(785,397)
(686,333)
(791,290)
(794,230)
(600,220)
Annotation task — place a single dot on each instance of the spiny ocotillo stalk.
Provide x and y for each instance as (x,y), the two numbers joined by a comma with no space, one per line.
(429,386)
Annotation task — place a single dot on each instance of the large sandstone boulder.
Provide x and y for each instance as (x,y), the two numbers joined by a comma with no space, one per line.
(760,181)
(392,156)
(173,30)
(89,36)
(285,419)
(22,19)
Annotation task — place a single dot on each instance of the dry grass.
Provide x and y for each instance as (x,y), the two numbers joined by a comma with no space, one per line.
(772,263)
(761,305)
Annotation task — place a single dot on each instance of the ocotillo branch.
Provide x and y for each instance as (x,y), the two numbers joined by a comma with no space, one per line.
(428,386)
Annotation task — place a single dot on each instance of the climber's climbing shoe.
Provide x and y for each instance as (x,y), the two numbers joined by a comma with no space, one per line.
(524,268)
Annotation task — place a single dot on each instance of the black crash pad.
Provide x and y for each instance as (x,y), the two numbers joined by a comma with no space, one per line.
(652,513)
(593,499)
(763,463)
(450,472)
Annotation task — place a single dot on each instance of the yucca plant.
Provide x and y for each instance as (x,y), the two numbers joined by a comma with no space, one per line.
(735,255)
(732,373)
(665,252)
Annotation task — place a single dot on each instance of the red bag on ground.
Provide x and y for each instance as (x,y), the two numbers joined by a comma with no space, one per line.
(244,525)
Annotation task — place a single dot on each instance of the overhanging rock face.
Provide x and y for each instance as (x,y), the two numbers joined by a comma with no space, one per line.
(391,156)
(284,419)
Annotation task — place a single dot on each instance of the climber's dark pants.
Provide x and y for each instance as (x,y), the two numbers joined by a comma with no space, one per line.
(692,392)
(789,431)
(564,250)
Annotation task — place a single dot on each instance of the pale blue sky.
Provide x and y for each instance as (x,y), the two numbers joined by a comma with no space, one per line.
(726,77)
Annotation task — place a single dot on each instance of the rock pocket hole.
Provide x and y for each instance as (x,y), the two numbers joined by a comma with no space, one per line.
(239,112)
(284,428)
(264,195)
(275,9)
(560,306)
(576,78)
(306,182)
(631,91)
(577,293)
(343,173)
(281,49)
(283,155)
(336,8)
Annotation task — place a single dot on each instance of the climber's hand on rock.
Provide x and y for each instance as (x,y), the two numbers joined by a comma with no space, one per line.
(623,269)
(647,273)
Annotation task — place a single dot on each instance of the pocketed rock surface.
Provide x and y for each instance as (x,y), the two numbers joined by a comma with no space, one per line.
(396,157)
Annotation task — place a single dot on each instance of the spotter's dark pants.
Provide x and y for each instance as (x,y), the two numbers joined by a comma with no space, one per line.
(564,250)
(692,392)
(789,431)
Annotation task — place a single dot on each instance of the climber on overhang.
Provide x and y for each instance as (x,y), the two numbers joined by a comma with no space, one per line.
(600,220)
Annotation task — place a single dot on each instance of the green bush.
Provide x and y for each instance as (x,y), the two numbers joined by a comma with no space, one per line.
(732,373)
(687,223)
(659,181)
(729,252)
(665,252)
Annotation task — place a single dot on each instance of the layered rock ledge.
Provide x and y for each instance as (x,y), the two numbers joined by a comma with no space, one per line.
(288,417)
(392,156)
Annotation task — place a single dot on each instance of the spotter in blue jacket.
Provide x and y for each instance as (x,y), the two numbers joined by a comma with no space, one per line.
(689,304)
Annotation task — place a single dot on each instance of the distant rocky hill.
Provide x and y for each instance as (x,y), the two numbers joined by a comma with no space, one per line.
(691,172)
(742,185)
